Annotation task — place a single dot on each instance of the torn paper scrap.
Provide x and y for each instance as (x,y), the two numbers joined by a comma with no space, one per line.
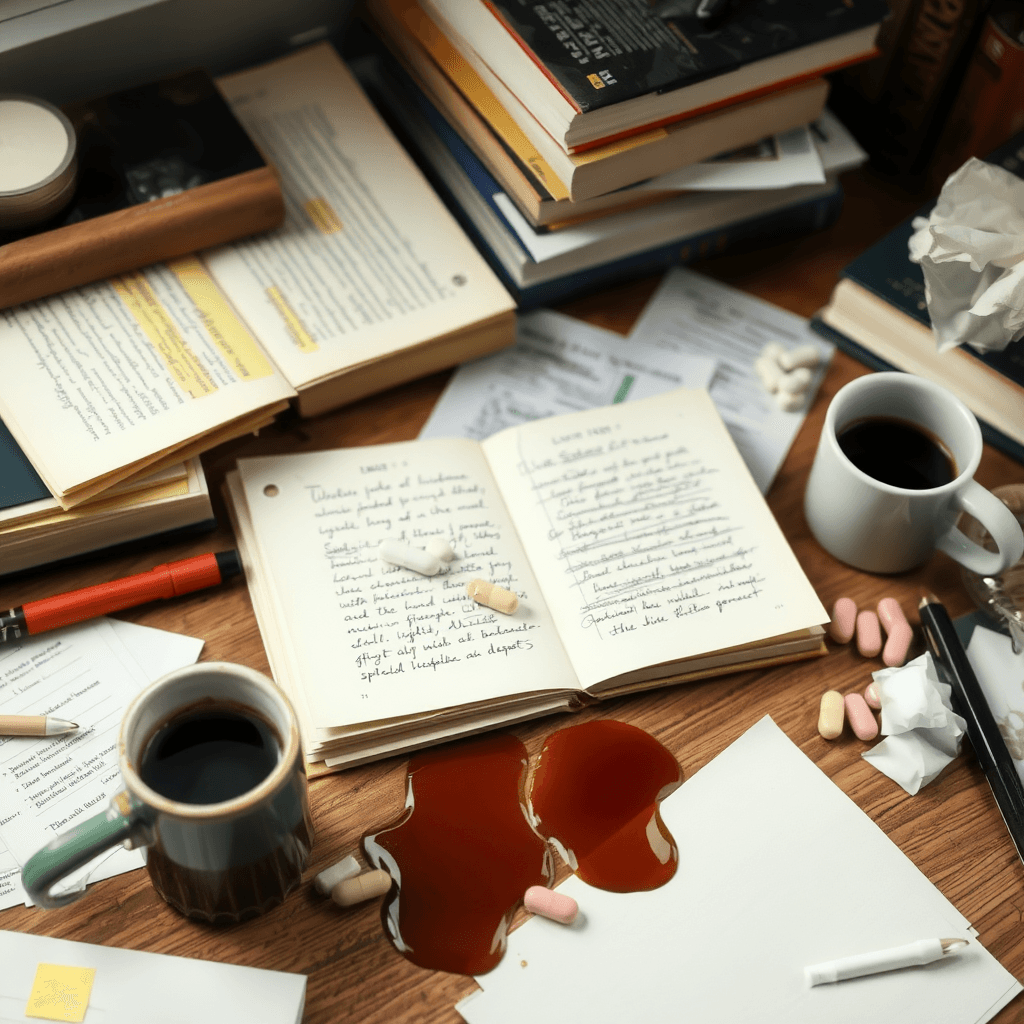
(971,252)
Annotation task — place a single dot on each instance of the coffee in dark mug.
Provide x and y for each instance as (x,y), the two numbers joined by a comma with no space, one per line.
(214,790)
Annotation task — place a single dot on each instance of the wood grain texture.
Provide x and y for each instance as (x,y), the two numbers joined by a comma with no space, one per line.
(951,830)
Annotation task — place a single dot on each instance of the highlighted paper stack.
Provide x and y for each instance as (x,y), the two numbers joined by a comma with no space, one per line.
(533,119)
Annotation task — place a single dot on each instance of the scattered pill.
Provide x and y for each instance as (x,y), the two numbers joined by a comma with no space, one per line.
(871,696)
(831,714)
(796,382)
(773,351)
(806,356)
(844,620)
(788,402)
(327,879)
(862,721)
(492,596)
(439,547)
(899,632)
(398,552)
(869,634)
(360,888)
(555,906)
(768,373)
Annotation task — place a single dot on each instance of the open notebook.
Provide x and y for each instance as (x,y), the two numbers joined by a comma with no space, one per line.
(639,545)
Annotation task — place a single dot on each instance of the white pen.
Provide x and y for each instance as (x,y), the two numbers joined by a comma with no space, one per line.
(914,954)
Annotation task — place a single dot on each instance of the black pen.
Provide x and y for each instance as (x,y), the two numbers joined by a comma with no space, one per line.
(969,702)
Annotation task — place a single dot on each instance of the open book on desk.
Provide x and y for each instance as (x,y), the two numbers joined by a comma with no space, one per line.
(369,282)
(642,552)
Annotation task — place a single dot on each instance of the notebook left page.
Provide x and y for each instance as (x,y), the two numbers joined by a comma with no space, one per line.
(101,381)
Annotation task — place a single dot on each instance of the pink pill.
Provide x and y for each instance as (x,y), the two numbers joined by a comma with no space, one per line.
(555,906)
(871,697)
(869,634)
(899,632)
(859,715)
(844,620)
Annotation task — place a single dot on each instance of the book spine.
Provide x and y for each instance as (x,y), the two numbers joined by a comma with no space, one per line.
(767,229)
(103,247)
(990,106)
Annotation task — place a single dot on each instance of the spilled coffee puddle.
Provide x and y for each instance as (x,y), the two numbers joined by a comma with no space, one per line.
(595,795)
(462,856)
(464,852)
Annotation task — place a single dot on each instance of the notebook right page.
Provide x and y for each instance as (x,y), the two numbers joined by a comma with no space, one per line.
(648,536)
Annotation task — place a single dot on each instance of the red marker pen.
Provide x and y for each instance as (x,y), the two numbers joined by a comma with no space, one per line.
(168,580)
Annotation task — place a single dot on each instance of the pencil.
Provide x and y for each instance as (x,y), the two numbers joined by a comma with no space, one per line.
(969,702)
(34,725)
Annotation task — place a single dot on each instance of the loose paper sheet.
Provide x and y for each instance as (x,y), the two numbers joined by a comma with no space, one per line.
(766,843)
(87,674)
(132,986)
(1000,674)
(692,314)
(558,364)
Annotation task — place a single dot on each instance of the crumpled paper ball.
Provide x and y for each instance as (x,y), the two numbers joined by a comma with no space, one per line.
(923,733)
(971,250)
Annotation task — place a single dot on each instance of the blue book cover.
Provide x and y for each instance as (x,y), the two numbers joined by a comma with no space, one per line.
(19,482)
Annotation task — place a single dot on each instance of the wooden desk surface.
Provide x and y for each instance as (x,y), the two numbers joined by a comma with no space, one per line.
(951,830)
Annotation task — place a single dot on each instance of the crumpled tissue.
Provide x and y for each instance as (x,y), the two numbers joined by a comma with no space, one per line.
(971,250)
(922,732)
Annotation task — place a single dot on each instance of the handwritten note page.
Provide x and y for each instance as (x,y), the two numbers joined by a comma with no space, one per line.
(124,369)
(368,259)
(558,364)
(693,314)
(648,535)
(371,641)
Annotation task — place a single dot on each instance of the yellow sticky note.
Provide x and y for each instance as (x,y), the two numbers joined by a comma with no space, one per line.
(60,993)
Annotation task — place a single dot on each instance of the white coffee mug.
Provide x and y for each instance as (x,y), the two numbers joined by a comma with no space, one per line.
(879,527)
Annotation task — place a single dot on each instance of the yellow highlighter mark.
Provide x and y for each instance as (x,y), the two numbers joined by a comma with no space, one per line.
(293,325)
(149,313)
(229,334)
(60,993)
(322,214)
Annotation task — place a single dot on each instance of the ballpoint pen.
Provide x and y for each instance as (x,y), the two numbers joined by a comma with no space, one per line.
(167,580)
(969,702)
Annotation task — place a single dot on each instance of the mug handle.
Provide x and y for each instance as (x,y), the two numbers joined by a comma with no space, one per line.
(119,824)
(998,520)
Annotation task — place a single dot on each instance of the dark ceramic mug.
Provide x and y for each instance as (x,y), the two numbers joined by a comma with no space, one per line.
(221,862)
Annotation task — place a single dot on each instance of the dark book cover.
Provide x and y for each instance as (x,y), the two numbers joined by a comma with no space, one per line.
(147,143)
(19,482)
(601,53)
(885,269)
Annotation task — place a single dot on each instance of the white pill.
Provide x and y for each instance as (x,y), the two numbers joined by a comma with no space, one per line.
(788,402)
(773,351)
(804,355)
(330,877)
(398,552)
(441,548)
(768,372)
(796,382)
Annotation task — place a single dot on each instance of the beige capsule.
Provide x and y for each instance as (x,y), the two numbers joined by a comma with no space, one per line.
(492,596)
(360,888)
(831,714)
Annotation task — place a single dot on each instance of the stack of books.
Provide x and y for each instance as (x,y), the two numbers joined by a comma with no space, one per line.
(581,146)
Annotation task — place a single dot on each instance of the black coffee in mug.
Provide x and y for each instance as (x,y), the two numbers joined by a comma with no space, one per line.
(896,452)
(208,755)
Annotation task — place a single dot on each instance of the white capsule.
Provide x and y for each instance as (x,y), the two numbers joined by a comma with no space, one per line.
(439,547)
(788,402)
(773,351)
(398,552)
(768,372)
(327,879)
(796,382)
(804,355)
